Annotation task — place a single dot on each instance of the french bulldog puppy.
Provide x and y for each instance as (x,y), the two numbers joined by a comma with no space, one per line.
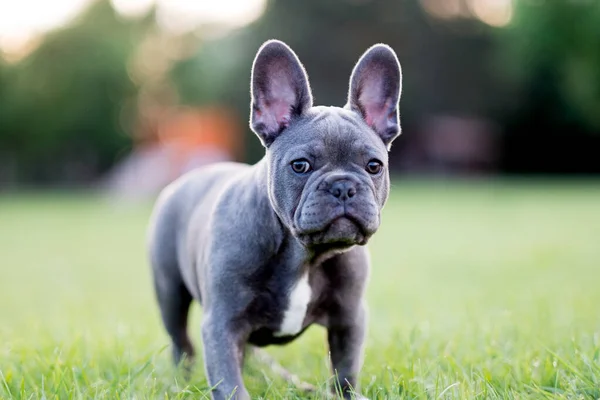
(272,248)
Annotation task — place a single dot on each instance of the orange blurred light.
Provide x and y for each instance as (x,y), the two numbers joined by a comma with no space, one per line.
(24,21)
(443,9)
(184,15)
(21,22)
(493,12)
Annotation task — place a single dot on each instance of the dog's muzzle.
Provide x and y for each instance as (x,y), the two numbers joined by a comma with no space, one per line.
(340,212)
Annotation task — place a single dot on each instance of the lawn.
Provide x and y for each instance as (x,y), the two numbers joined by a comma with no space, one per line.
(481,290)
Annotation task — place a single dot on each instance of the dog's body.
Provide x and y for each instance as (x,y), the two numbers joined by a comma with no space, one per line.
(272,248)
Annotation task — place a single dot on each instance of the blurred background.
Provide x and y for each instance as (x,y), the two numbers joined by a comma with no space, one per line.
(486,265)
(128,94)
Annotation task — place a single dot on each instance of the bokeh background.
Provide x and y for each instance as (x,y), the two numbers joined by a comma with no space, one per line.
(128,94)
(486,267)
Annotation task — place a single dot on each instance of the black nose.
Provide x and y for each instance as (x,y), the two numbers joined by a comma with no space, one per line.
(343,189)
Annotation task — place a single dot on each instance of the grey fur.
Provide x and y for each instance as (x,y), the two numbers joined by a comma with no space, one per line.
(237,238)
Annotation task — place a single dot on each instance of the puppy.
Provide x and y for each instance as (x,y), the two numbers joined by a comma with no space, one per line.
(272,248)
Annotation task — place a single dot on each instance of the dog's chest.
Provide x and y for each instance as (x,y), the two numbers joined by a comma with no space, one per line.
(287,303)
(298,298)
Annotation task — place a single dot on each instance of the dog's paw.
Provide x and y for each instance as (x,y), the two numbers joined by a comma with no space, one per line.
(305,387)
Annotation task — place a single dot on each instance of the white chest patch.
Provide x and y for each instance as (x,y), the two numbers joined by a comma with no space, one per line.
(293,317)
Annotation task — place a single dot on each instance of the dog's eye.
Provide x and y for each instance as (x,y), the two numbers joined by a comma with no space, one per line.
(301,166)
(374,167)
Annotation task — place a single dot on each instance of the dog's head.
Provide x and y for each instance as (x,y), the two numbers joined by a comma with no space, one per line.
(328,166)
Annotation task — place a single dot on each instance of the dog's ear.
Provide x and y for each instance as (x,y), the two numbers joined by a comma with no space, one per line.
(375,88)
(279,89)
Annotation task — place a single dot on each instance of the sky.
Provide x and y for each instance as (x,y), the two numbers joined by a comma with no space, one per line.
(22,21)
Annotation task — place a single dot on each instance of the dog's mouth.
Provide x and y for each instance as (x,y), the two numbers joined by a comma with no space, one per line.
(341,232)
(323,221)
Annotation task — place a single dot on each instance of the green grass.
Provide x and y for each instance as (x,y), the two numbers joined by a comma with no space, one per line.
(478,291)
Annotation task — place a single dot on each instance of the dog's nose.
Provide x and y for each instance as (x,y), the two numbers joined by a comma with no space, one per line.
(343,189)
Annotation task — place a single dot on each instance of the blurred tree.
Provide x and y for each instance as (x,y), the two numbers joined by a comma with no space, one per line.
(66,109)
(7,158)
(551,53)
(62,115)
(541,73)
(444,61)
(549,58)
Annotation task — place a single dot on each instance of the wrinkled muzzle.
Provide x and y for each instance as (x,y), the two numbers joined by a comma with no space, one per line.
(339,210)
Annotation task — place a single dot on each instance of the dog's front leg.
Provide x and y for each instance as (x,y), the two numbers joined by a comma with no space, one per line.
(346,337)
(224,344)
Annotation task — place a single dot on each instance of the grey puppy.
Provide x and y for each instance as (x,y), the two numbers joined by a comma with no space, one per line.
(272,248)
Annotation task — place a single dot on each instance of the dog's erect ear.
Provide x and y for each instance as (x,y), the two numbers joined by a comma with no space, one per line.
(280,90)
(375,87)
